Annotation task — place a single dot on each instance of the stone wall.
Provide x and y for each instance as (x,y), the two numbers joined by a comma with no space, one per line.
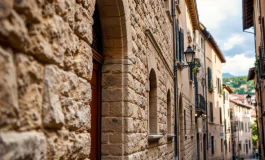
(46,63)
(46,66)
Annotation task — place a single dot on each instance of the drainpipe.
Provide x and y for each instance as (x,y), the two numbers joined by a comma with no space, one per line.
(173,5)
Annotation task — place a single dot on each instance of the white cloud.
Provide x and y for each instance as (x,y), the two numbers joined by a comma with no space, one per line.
(232,41)
(214,12)
(238,65)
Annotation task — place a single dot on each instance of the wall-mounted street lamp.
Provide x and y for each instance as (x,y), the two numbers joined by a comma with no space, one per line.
(189,56)
(248,98)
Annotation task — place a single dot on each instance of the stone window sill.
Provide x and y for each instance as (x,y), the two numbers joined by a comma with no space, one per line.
(171,136)
(154,137)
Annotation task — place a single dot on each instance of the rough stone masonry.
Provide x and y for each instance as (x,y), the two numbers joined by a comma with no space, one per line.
(45,72)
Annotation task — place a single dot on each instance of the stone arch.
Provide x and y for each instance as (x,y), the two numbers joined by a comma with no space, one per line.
(152,111)
(115,24)
(114,15)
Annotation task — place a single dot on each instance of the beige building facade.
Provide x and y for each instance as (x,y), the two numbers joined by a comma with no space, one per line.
(253,17)
(241,129)
(98,80)
(228,154)
(215,109)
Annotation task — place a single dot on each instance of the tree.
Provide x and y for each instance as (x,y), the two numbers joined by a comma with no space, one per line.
(254,134)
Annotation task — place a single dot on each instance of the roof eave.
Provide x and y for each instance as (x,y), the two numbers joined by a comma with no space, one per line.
(251,73)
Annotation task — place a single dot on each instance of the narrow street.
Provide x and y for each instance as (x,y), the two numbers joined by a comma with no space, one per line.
(132,79)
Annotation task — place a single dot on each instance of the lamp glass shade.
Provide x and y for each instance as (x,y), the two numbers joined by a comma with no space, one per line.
(189,55)
(248,98)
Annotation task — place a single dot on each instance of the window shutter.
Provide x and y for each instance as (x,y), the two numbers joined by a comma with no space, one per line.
(209,77)
(220,115)
(211,111)
(177,41)
(181,45)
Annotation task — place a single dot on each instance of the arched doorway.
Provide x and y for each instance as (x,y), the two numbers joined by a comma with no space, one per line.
(95,104)
(110,45)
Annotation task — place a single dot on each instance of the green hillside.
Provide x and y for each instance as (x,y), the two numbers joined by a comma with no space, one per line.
(240,85)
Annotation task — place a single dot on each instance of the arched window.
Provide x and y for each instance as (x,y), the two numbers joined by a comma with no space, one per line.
(168,113)
(153,103)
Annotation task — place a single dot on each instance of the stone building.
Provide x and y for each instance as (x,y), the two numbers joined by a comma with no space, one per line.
(94,79)
(215,109)
(241,129)
(227,123)
(253,17)
(86,79)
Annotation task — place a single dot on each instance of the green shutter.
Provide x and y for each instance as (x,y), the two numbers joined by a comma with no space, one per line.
(181,45)
(209,78)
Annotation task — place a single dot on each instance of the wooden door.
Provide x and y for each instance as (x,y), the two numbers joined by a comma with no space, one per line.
(95,108)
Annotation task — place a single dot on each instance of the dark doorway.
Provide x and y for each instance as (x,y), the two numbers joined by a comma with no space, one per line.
(204,147)
(198,146)
(95,111)
(95,82)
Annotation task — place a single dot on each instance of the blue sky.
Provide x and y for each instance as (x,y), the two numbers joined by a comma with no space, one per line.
(223,19)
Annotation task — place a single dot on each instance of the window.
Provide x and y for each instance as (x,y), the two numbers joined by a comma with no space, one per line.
(153,103)
(181,45)
(229,147)
(185,128)
(220,109)
(218,81)
(168,113)
(222,149)
(211,112)
(224,96)
(202,43)
(212,144)
(191,121)
(249,144)
(210,85)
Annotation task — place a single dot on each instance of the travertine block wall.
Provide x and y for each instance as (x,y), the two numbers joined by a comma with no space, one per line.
(46,63)
(45,69)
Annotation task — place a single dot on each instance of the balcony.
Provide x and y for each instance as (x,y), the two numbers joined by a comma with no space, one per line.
(201,104)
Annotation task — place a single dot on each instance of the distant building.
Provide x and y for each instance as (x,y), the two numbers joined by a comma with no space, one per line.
(241,129)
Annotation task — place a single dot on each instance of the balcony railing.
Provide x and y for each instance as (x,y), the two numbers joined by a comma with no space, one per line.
(201,105)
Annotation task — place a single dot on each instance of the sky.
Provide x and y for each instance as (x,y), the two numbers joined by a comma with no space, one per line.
(223,19)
